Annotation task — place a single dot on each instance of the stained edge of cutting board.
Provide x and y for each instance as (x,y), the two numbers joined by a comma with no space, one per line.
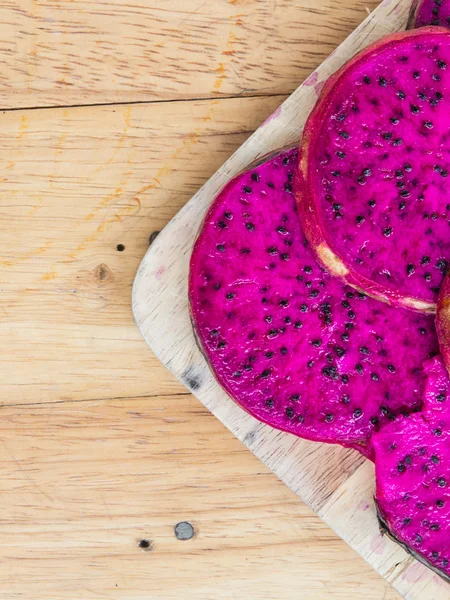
(337,484)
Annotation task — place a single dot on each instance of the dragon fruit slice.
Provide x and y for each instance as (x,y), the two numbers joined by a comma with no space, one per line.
(412,465)
(372,185)
(429,12)
(443,320)
(293,346)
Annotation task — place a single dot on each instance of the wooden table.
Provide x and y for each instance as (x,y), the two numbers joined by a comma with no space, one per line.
(113,114)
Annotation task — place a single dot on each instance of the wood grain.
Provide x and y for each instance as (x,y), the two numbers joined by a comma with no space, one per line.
(84,482)
(76,183)
(69,52)
(334,482)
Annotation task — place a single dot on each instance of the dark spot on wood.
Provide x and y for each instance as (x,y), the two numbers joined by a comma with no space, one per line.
(184,531)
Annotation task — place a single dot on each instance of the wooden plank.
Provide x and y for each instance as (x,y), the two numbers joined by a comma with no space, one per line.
(75,183)
(332,481)
(78,52)
(84,482)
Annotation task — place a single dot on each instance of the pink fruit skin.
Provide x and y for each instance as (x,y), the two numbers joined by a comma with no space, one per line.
(294,347)
(443,320)
(429,12)
(372,181)
(412,464)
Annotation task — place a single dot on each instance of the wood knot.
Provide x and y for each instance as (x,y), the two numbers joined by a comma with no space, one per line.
(103,274)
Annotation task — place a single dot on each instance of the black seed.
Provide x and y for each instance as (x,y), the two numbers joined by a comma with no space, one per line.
(434,102)
(401,468)
(340,154)
(250,226)
(330,372)
(222,224)
(265,374)
(288,187)
(345,303)
(316,343)
(437,432)
(428,124)
(401,205)
(401,95)
(434,459)
(284,303)
(287,320)
(295,397)
(406,521)
(336,173)
(237,374)
(436,77)
(422,96)
(434,527)
(372,203)
(268,319)
(272,250)
(341,118)
(375,420)
(425,260)
(408,459)
(269,402)
(391,368)
(441,482)
(313,293)
(344,378)
(408,168)
(271,185)
(359,369)
(298,325)
(440,397)
(419,538)
(441,64)
(422,330)
(245,250)
(217,286)
(282,229)
(416,74)
(401,184)
(410,269)
(394,121)
(289,412)
(441,265)
(350,295)
(387,135)
(221,345)
(307,269)
(367,79)
(303,308)
(415,109)
(247,189)
(310,364)
(230,295)
(364,350)
(285,256)
(387,232)
(344,134)
(439,95)
(397,142)
(220,247)
(374,376)
(345,337)
(357,413)
(328,418)
(351,314)
(349,326)
(255,176)
(360,179)
(359,219)
(444,173)
(283,351)
(437,168)
(405,194)
(382,81)
(339,351)
(440,503)
(445,562)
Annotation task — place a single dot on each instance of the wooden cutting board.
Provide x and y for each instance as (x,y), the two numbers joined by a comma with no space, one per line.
(337,484)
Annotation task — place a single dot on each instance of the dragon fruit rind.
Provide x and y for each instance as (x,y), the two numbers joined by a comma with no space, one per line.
(293,346)
(373,180)
(429,12)
(412,464)
(443,321)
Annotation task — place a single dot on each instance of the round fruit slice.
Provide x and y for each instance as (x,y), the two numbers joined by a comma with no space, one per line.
(295,347)
(429,12)
(373,184)
(412,465)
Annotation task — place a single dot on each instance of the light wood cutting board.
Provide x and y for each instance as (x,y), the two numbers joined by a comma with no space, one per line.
(337,484)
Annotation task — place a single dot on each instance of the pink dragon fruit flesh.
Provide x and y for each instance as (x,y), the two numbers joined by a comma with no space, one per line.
(429,12)
(373,185)
(443,321)
(412,464)
(293,346)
